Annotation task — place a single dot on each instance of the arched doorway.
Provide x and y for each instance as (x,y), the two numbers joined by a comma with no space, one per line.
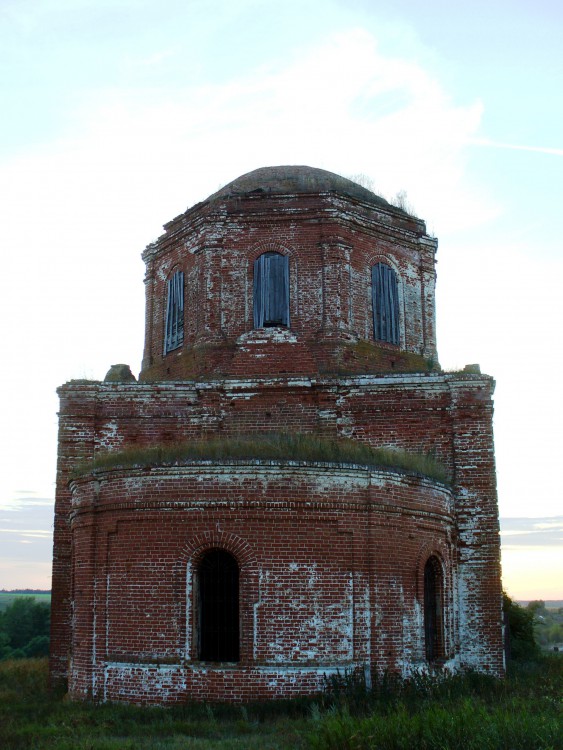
(218,597)
(433,609)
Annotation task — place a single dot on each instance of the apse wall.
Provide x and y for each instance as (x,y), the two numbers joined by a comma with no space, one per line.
(330,562)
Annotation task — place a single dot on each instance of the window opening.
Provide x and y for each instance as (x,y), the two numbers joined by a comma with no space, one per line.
(385,302)
(433,610)
(174,328)
(218,607)
(271,290)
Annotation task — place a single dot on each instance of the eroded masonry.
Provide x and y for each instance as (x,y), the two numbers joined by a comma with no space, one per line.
(223,530)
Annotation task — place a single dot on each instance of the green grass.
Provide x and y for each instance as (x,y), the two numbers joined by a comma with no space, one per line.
(33,719)
(470,711)
(271,446)
(7,597)
(471,725)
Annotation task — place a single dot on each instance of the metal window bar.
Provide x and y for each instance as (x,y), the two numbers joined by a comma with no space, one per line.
(174,327)
(385,303)
(271,290)
(219,607)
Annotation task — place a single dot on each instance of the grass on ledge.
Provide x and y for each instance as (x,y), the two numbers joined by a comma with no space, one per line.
(269,446)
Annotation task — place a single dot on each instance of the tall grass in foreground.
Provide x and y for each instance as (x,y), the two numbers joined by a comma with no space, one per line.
(276,446)
(470,725)
(468,711)
(31,718)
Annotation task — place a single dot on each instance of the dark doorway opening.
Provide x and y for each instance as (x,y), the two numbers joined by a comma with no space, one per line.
(433,610)
(218,607)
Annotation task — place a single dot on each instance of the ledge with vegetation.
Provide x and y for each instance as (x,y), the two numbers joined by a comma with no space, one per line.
(269,447)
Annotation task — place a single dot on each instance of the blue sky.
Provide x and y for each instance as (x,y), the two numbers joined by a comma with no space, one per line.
(116,116)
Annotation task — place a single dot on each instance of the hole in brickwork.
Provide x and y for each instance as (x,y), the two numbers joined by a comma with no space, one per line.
(218,589)
(433,610)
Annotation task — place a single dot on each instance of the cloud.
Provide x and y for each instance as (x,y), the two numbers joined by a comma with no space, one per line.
(29,503)
(27,515)
(532,532)
(532,557)
(340,104)
(26,543)
(515,147)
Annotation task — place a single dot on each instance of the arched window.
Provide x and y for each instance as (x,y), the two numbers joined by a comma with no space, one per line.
(433,610)
(271,290)
(385,303)
(174,327)
(218,590)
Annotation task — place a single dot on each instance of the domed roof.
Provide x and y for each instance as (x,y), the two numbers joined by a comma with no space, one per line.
(296,179)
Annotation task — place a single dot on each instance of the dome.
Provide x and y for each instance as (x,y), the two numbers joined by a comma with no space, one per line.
(296,179)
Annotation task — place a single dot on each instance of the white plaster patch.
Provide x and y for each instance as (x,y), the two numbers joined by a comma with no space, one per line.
(109,436)
(276,335)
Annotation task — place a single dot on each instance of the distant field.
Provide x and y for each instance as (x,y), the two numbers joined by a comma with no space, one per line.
(549,603)
(7,597)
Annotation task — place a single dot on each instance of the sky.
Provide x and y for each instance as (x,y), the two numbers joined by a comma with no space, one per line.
(117,115)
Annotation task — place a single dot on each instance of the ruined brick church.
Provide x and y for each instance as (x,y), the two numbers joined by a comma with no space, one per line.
(295,309)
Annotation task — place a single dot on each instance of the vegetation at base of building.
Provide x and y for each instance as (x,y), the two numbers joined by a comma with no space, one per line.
(24,628)
(270,446)
(548,624)
(532,627)
(427,712)
(435,712)
(521,640)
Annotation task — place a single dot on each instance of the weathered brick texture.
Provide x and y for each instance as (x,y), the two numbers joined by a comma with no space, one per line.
(331,557)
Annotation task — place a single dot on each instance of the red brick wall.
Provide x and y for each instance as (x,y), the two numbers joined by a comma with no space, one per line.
(315,544)
(331,558)
(331,243)
(322,530)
